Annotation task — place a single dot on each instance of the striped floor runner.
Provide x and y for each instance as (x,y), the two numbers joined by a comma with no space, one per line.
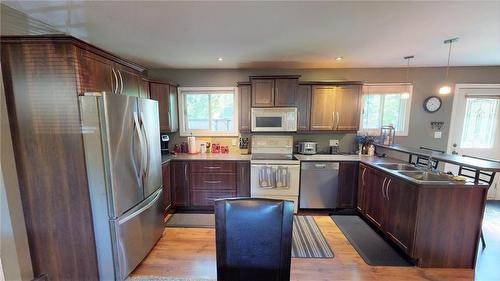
(308,241)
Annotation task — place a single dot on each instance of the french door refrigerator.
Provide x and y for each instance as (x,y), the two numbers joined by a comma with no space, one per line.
(122,152)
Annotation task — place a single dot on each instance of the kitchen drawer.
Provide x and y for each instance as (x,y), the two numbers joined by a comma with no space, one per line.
(214,181)
(213,167)
(206,198)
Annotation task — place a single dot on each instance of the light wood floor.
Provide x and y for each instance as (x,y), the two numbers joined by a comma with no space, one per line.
(190,253)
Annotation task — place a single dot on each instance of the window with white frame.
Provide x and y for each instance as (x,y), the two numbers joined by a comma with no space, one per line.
(208,111)
(384,105)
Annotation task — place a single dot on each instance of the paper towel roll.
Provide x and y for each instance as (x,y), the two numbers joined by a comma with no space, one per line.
(192,145)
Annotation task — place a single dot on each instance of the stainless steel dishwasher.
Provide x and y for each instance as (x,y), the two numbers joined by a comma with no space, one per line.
(319,185)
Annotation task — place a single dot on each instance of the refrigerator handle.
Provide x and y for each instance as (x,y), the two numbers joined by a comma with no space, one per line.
(141,144)
(148,160)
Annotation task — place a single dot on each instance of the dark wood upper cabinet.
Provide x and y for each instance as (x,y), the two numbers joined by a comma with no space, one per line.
(348,185)
(245,101)
(262,92)
(166,95)
(144,89)
(303,103)
(274,91)
(285,91)
(347,107)
(323,108)
(129,81)
(174,112)
(95,73)
(161,93)
(335,107)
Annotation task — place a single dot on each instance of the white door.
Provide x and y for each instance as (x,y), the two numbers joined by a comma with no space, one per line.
(475,125)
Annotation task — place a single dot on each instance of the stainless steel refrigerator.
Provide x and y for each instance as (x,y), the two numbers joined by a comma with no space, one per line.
(122,152)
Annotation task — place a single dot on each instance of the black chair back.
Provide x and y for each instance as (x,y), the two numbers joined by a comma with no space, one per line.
(253,239)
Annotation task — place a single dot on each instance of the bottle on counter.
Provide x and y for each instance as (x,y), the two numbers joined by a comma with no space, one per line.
(371,149)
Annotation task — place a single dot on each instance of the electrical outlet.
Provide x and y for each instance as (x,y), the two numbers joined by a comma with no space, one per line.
(437,135)
(233,142)
(334,142)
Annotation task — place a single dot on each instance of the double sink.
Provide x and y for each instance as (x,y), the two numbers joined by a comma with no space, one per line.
(417,175)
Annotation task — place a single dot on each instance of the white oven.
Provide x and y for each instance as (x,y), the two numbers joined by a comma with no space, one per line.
(274,172)
(275,179)
(274,119)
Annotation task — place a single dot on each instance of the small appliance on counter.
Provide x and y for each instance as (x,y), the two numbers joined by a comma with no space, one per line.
(244,145)
(307,147)
(191,143)
(334,147)
(164,139)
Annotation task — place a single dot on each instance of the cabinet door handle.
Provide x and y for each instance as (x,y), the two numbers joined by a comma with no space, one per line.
(333,120)
(212,167)
(121,81)
(212,182)
(363,177)
(338,119)
(185,174)
(383,187)
(116,80)
(387,188)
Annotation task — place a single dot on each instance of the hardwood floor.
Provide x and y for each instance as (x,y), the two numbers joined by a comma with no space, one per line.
(190,253)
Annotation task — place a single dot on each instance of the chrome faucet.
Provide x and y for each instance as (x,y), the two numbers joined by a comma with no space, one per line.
(429,163)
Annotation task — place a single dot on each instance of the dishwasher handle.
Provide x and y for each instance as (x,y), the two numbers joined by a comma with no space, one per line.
(320,166)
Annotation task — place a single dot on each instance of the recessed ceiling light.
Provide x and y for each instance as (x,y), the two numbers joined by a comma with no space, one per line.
(339,58)
(220,58)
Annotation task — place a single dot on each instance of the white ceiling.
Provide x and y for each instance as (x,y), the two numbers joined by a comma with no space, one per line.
(305,34)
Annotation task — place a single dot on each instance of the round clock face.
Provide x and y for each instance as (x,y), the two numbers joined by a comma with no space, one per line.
(432,104)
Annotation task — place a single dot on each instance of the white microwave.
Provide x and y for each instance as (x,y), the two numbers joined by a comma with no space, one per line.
(274,119)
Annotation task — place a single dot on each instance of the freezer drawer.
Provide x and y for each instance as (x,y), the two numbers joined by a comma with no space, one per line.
(136,232)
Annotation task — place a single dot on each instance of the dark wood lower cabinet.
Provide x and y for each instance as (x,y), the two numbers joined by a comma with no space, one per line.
(205,198)
(348,184)
(243,179)
(167,188)
(400,212)
(180,183)
(437,226)
(373,196)
(197,183)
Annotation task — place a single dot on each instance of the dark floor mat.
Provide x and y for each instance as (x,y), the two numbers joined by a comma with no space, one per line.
(371,247)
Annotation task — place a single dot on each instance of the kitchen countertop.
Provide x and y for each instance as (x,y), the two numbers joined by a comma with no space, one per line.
(479,164)
(368,160)
(207,156)
(372,161)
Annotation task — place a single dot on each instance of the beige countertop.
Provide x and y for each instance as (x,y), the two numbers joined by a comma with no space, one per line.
(206,156)
(368,160)
(470,162)
(372,161)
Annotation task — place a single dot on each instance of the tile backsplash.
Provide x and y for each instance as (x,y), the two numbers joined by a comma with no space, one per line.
(346,141)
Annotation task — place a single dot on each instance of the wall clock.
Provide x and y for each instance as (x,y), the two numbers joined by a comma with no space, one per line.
(432,104)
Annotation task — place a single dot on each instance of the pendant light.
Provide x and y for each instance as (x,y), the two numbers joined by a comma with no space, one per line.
(406,94)
(446,88)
